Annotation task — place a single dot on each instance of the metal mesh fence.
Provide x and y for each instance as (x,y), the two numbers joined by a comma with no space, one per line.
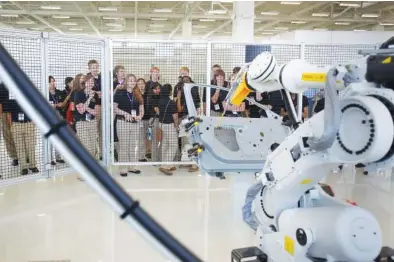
(66,59)
(21,147)
(157,67)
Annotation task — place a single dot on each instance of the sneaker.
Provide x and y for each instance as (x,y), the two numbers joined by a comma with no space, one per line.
(135,171)
(34,170)
(193,169)
(60,161)
(15,162)
(24,172)
(53,163)
(143,160)
(165,171)
(148,155)
(123,174)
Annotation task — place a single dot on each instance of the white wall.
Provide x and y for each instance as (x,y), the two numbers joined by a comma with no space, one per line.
(335,37)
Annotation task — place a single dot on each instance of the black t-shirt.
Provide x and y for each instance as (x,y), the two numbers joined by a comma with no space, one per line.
(12,106)
(167,108)
(4,96)
(319,105)
(80,97)
(127,102)
(276,101)
(254,110)
(305,102)
(58,97)
(150,102)
(195,96)
(149,85)
(218,107)
(97,86)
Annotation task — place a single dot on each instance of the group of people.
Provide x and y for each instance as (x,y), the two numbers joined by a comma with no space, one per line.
(147,116)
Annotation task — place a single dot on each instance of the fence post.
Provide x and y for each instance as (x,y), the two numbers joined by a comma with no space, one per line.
(208,89)
(105,103)
(302,51)
(45,91)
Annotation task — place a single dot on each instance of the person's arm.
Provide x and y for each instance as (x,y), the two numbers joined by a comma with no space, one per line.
(305,105)
(117,110)
(141,114)
(215,96)
(176,120)
(92,111)
(178,101)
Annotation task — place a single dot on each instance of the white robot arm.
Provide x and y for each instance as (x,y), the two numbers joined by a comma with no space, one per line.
(297,221)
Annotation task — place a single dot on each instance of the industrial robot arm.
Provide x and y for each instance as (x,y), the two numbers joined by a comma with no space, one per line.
(296,220)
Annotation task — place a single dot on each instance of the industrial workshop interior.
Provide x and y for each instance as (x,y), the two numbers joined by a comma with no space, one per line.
(190,131)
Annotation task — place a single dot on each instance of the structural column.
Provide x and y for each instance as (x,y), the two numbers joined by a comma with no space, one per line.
(186,29)
(243,21)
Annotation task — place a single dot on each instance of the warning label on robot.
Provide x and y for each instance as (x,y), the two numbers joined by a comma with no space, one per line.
(314,77)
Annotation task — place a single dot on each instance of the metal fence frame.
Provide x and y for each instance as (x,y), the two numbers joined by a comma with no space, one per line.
(107,94)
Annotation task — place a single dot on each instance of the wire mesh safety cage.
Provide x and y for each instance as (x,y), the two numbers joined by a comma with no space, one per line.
(134,144)
(67,58)
(21,145)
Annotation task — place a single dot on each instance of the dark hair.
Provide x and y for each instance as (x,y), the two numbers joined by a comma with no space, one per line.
(68,80)
(190,79)
(50,78)
(220,72)
(91,62)
(236,69)
(155,85)
(141,79)
(216,65)
(165,90)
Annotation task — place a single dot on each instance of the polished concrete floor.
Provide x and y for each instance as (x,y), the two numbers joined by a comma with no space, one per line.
(63,219)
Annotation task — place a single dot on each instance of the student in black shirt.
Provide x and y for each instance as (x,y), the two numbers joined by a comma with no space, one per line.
(129,110)
(6,125)
(144,136)
(86,110)
(305,105)
(94,70)
(319,106)
(216,106)
(23,132)
(217,95)
(153,79)
(184,143)
(168,124)
(119,77)
(252,110)
(151,110)
(276,101)
(56,99)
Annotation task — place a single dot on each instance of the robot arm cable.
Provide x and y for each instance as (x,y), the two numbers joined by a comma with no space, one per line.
(332,115)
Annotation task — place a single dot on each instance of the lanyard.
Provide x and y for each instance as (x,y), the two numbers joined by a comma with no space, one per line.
(131,100)
(54,98)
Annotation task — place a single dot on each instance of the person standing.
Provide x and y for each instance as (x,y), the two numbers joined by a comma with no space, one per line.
(119,73)
(168,126)
(145,134)
(153,78)
(129,110)
(6,125)
(94,70)
(56,99)
(86,110)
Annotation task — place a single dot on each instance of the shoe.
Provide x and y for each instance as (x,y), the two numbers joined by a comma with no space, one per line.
(148,155)
(15,162)
(193,169)
(165,171)
(116,156)
(34,170)
(24,172)
(135,171)
(60,161)
(173,168)
(80,178)
(123,174)
(27,160)
(143,160)
(53,163)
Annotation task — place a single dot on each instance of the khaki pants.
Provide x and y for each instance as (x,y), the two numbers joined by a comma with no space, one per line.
(129,142)
(100,134)
(8,139)
(155,147)
(169,143)
(144,143)
(24,135)
(214,113)
(87,134)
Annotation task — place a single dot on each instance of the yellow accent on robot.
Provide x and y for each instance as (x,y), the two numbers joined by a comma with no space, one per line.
(241,92)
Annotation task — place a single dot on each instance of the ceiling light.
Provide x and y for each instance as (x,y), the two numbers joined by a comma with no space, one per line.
(36,28)
(41,215)
(321,14)
(1,193)
(359,30)
(298,22)
(108,9)
(116,30)
(290,3)
(226,1)
(370,15)
(1,6)
(207,20)
(386,24)
(113,24)
(26,22)
(349,4)
(281,28)
(320,29)
(60,16)
(50,7)
(69,23)
(9,15)
(200,26)
(267,33)
(156,25)
(162,10)
(342,23)
(227,32)
(270,13)
(257,21)
(158,19)
(154,31)
(217,12)
(75,29)
(110,18)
